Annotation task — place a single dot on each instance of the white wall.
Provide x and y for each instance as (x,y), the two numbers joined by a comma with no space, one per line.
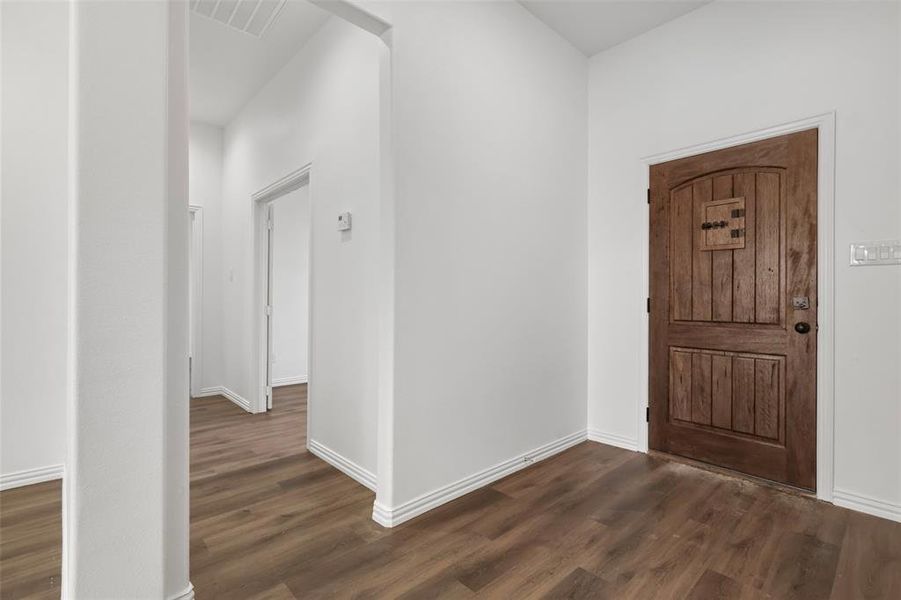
(125,495)
(490,135)
(35,40)
(322,107)
(205,190)
(730,68)
(290,286)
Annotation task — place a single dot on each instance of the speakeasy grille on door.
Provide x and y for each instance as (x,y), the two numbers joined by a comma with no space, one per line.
(722,224)
(714,225)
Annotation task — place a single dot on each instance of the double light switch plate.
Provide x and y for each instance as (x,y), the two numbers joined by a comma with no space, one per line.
(876,253)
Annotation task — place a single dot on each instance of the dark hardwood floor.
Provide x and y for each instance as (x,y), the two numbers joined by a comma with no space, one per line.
(31,539)
(225,438)
(271,521)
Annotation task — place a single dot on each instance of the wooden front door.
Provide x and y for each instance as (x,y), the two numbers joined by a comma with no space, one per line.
(734,308)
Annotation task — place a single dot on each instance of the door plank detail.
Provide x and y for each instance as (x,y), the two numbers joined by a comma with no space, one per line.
(767,270)
(680,386)
(767,382)
(744,259)
(701,263)
(738,284)
(736,392)
(743,395)
(682,211)
(721,278)
(700,388)
(721,377)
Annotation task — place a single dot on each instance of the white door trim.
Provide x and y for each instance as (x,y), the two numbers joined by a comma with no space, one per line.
(269,242)
(262,203)
(196,308)
(825,123)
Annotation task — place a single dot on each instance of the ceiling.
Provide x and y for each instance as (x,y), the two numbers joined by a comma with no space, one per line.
(595,25)
(229,66)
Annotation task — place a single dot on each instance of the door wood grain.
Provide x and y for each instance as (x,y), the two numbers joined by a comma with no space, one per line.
(732,241)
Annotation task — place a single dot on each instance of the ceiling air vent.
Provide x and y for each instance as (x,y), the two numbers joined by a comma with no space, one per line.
(253,17)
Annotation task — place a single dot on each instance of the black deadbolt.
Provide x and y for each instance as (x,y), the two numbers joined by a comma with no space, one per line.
(802,327)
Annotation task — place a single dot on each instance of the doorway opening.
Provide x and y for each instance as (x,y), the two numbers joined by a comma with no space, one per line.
(289,410)
(285,246)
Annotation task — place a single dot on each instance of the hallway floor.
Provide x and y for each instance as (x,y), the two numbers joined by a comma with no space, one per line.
(269,520)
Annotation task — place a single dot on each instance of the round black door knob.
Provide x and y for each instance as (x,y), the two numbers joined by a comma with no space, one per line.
(802,327)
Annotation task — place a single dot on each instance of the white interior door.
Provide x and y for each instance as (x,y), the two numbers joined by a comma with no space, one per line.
(195,297)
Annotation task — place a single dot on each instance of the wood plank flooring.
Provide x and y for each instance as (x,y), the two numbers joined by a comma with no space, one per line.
(31,540)
(271,521)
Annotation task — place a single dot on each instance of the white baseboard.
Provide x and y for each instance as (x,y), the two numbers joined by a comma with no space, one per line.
(391,517)
(17,479)
(221,390)
(346,466)
(596,435)
(864,504)
(279,381)
(185,594)
(215,390)
(383,516)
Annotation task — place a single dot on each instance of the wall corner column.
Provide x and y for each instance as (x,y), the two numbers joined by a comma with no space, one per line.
(126,487)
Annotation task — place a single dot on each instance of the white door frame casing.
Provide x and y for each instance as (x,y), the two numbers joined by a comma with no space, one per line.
(262,203)
(825,124)
(196,297)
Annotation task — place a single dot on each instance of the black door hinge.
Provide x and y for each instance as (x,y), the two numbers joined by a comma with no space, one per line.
(647,414)
(649,306)
(649,195)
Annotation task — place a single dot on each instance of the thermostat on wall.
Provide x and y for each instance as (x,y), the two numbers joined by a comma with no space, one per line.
(344,221)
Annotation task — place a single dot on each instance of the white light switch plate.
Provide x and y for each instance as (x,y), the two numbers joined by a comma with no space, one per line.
(876,253)
(344,221)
